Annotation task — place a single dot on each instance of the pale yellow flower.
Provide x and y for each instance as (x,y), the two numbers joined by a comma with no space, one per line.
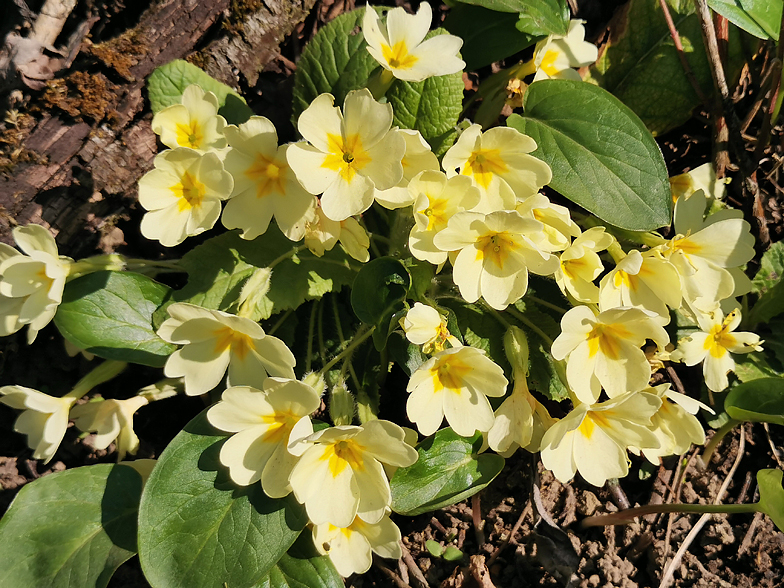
(425,326)
(110,419)
(713,347)
(183,195)
(496,252)
(700,178)
(340,476)
(604,350)
(31,285)
(496,161)
(580,265)
(348,156)
(321,232)
(214,341)
(418,158)
(264,185)
(267,425)
(593,438)
(354,239)
(558,224)
(193,124)
(436,200)
(351,548)
(455,384)
(555,56)
(402,50)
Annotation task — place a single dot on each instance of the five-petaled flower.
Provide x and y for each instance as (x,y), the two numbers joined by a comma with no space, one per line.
(193,124)
(350,548)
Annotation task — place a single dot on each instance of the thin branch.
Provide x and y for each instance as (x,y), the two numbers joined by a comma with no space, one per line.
(712,47)
(676,39)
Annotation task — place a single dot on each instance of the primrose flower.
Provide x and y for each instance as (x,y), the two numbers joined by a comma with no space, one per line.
(580,265)
(700,178)
(436,200)
(714,346)
(418,158)
(514,420)
(350,548)
(642,280)
(604,350)
(340,476)
(497,160)
(455,384)
(110,419)
(558,224)
(496,252)
(593,438)
(193,124)
(268,425)
(264,186)
(215,340)
(555,56)
(31,285)
(183,195)
(321,233)
(44,418)
(425,326)
(348,156)
(402,50)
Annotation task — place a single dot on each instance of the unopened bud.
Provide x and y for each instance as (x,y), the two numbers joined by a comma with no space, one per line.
(316,381)
(253,293)
(516,348)
(341,405)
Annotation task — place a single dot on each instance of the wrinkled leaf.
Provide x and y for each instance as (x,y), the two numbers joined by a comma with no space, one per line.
(336,61)
(197,529)
(757,401)
(761,18)
(449,469)
(167,83)
(70,529)
(480,329)
(771,500)
(379,291)
(753,366)
(302,567)
(771,269)
(110,314)
(769,305)
(602,156)
(488,36)
(544,17)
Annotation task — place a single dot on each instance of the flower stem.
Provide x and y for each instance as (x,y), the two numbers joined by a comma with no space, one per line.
(524,319)
(288,255)
(546,304)
(103,373)
(624,517)
(359,337)
(716,439)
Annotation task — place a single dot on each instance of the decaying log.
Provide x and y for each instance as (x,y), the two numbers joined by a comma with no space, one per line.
(79,175)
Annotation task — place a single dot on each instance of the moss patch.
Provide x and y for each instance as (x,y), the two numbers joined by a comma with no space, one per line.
(81,95)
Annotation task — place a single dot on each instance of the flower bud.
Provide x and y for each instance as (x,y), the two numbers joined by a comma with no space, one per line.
(253,292)
(341,405)
(516,348)
(316,381)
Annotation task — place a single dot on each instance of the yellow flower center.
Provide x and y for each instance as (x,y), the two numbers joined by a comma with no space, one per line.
(436,213)
(719,338)
(190,135)
(342,454)
(607,338)
(239,343)
(483,165)
(547,65)
(496,247)
(572,268)
(397,56)
(346,155)
(449,374)
(686,245)
(190,192)
(591,420)
(269,176)
(625,279)
(279,426)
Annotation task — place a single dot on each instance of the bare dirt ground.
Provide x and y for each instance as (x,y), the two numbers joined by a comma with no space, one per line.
(70,154)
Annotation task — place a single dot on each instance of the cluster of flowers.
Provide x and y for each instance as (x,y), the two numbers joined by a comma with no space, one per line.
(484,215)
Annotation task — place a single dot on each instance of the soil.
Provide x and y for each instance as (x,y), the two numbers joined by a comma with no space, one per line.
(503,535)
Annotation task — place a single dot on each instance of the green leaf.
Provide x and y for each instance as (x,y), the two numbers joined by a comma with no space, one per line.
(761,18)
(769,305)
(406,354)
(110,314)
(544,17)
(431,107)
(380,291)
(197,529)
(167,83)
(488,36)
(218,268)
(480,329)
(753,366)
(434,548)
(452,553)
(302,567)
(760,401)
(449,469)
(70,529)
(602,156)
(335,61)
(771,500)
(771,269)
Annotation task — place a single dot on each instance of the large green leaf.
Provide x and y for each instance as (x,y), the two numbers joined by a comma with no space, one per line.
(302,567)
(199,530)
(771,269)
(449,469)
(167,83)
(544,17)
(70,529)
(770,304)
(641,66)
(488,36)
(602,156)
(379,291)
(771,500)
(431,107)
(218,268)
(757,401)
(761,18)
(335,61)
(110,314)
